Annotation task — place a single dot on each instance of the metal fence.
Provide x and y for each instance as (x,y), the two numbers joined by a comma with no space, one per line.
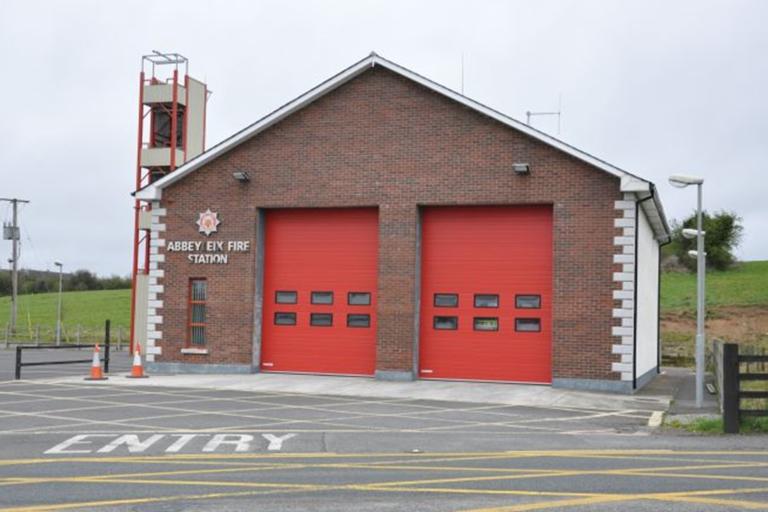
(20,350)
(70,335)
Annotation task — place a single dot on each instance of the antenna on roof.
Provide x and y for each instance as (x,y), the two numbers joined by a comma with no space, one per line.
(558,113)
(462,73)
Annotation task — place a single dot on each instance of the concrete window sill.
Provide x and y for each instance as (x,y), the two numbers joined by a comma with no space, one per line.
(197,351)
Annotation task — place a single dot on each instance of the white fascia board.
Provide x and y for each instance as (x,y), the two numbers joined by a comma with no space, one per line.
(633,184)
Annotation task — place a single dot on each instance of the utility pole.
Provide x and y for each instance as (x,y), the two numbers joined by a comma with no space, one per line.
(12,233)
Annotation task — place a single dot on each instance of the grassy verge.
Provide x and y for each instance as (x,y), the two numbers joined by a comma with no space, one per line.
(88,309)
(715,425)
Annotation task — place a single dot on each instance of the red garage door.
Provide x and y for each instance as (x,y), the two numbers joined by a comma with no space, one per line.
(486,301)
(319,291)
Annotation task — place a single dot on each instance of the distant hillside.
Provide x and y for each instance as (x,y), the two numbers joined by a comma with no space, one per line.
(46,281)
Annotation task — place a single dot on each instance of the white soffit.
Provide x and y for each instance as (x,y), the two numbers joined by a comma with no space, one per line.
(153,192)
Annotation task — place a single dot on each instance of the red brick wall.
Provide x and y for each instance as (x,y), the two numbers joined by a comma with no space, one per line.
(381,140)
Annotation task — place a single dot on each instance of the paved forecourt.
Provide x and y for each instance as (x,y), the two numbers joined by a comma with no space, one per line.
(74,445)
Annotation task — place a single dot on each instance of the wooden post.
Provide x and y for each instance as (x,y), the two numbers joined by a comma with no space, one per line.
(731,388)
(7,334)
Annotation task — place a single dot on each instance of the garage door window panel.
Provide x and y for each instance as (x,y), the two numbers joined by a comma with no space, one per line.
(356,320)
(286,297)
(359,299)
(321,319)
(528,325)
(282,318)
(528,301)
(486,300)
(446,300)
(486,324)
(446,323)
(322,298)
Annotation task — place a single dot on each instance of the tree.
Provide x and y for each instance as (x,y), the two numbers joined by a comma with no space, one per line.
(5,283)
(723,235)
(83,280)
(115,282)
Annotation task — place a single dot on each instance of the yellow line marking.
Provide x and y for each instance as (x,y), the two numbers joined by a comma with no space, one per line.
(574,502)
(731,504)
(138,501)
(415,462)
(686,497)
(703,476)
(453,490)
(416,457)
(568,473)
(264,466)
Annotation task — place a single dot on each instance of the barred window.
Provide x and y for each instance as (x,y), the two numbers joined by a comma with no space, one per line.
(198,295)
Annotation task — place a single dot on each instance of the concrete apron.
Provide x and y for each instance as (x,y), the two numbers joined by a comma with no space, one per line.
(452,391)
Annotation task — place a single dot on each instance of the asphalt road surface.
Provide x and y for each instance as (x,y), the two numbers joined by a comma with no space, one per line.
(96,446)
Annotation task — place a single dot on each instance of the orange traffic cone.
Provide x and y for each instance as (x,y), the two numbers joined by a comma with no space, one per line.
(96,373)
(137,370)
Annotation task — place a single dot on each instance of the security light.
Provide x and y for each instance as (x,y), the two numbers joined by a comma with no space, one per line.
(690,234)
(682,181)
(521,168)
(241,176)
(694,254)
(58,264)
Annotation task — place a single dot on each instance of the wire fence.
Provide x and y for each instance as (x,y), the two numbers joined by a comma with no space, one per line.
(70,335)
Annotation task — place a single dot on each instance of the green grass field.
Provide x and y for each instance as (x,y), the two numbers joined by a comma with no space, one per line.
(745,285)
(88,309)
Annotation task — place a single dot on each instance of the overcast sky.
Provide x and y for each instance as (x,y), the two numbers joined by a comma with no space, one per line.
(654,87)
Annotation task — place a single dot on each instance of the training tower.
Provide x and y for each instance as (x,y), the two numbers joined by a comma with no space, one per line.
(171,131)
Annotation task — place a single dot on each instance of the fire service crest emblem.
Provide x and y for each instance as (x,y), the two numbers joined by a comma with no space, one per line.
(208,222)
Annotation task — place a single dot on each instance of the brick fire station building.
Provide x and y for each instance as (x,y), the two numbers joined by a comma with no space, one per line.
(383,225)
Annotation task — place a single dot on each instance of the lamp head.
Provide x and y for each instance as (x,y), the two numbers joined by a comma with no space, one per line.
(682,181)
(692,233)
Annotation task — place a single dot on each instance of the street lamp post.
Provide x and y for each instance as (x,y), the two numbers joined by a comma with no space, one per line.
(58,311)
(681,182)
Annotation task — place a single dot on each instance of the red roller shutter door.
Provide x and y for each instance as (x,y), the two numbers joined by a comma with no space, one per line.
(504,256)
(323,251)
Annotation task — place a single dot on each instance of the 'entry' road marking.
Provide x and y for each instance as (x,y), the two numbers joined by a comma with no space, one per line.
(84,443)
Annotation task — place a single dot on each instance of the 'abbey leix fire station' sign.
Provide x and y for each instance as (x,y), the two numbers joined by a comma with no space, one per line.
(209,251)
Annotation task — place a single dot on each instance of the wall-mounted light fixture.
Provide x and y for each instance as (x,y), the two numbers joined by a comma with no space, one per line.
(241,176)
(521,168)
